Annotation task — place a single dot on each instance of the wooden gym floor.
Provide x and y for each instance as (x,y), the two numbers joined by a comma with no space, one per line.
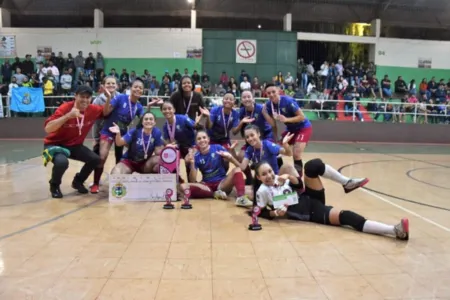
(81,247)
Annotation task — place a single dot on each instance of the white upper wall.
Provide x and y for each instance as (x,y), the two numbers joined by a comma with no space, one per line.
(406,53)
(111,42)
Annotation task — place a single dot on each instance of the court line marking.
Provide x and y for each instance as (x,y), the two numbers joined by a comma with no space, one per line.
(424,182)
(406,210)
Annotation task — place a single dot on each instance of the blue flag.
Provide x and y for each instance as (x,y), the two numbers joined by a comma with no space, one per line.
(26,99)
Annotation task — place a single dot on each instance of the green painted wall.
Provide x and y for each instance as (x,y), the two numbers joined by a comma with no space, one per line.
(276,51)
(156,66)
(412,73)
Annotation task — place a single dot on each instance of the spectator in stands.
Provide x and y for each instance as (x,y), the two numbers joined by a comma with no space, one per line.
(186,73)
(6,72)
(176,76)
(302,76)
(244,74)
(99,64)
(166,74)
(60,62)
(279,79)
(70,64)
(17,64)
(165,88)
(66,82)
(35,81)
(231,83)
(245,85)
(154,87)
(55,71)
(12,86)
(196,78)
(351,98)
(19,76)
(26,82)
(350,72)
(289,80)
(401,89)
(310,72)
(256,87)
(39,57)
(79,66)
(206,85)
(223,79)
(124,78)
(386,87)
(133,76)
(423,89)
(89,63)
(412,89)
(432,86)
(27,65)
(205,75)
(114,73)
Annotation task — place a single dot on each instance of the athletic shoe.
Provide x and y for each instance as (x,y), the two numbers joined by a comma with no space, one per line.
(94,189)
(220,195)
(77,185)
(355,183)
(243,201)
(55,191)
(402,230)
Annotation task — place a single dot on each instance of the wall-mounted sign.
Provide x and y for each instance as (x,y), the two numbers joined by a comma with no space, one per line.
(246,51)
(96,42)
(424,63)
(8,46)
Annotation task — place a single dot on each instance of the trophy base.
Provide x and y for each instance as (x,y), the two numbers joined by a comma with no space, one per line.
(186,206)
(168,206)
(254,227)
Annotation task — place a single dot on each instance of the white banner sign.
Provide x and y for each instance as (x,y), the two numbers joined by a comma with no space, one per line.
(246,51)
(8,46)
(142,187)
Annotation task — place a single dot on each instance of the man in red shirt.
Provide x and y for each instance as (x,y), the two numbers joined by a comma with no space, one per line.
(67,128)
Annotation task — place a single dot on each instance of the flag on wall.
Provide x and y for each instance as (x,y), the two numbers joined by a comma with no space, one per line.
(26,99)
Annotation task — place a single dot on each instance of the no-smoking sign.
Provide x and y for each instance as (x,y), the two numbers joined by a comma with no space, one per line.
(246,51)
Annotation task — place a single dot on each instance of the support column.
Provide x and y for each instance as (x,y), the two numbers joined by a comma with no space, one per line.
(287,22)
(5,18)
(98,18)
(193,19)
(375,27)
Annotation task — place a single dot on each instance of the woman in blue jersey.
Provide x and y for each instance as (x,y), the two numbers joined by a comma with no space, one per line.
(210,160)
(285,196)
(223,119)
(179,130)
(250,113)
(286,110)
(263,149)
(121,110)
(144,145)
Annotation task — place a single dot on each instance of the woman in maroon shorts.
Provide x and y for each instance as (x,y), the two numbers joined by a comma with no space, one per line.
(144,146)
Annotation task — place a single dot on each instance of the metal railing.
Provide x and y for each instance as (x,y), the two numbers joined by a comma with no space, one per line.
(319,106)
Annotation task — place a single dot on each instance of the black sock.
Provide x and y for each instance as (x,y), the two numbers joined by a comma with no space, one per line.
(279,161)
(298,165)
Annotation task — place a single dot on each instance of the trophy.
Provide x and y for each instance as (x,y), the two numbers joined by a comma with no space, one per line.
(255,213)
(187,195)
(169,204)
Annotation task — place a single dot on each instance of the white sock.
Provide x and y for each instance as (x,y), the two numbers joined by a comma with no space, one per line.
(333,174)
(378,228)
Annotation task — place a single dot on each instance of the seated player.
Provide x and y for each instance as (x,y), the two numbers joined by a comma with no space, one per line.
(210,160)
(310,204)
(144,145)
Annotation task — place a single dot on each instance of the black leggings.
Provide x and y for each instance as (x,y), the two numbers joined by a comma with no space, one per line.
(78,152)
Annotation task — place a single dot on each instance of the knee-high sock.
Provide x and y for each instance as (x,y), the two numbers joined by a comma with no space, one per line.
(378,228)
(333,174)
(239,183)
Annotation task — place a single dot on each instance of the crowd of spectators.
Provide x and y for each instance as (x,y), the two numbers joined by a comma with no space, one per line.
(60,76)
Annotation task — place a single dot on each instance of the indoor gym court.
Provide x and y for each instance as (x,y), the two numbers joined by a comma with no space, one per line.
(81,247)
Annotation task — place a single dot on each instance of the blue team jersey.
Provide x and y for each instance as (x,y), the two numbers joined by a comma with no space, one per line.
(211,165)
(288,107)
(136,146)
(268,153)
(122,114)
(220,131)
(184,131)
(260,121)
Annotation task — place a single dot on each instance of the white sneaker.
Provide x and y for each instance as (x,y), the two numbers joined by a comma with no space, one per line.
(402,230)
(220,195)
(355,183)
(243,201)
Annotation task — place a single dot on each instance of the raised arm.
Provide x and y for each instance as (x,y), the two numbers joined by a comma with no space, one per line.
(55,124)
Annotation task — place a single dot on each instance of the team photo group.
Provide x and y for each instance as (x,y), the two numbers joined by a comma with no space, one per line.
(264,172)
